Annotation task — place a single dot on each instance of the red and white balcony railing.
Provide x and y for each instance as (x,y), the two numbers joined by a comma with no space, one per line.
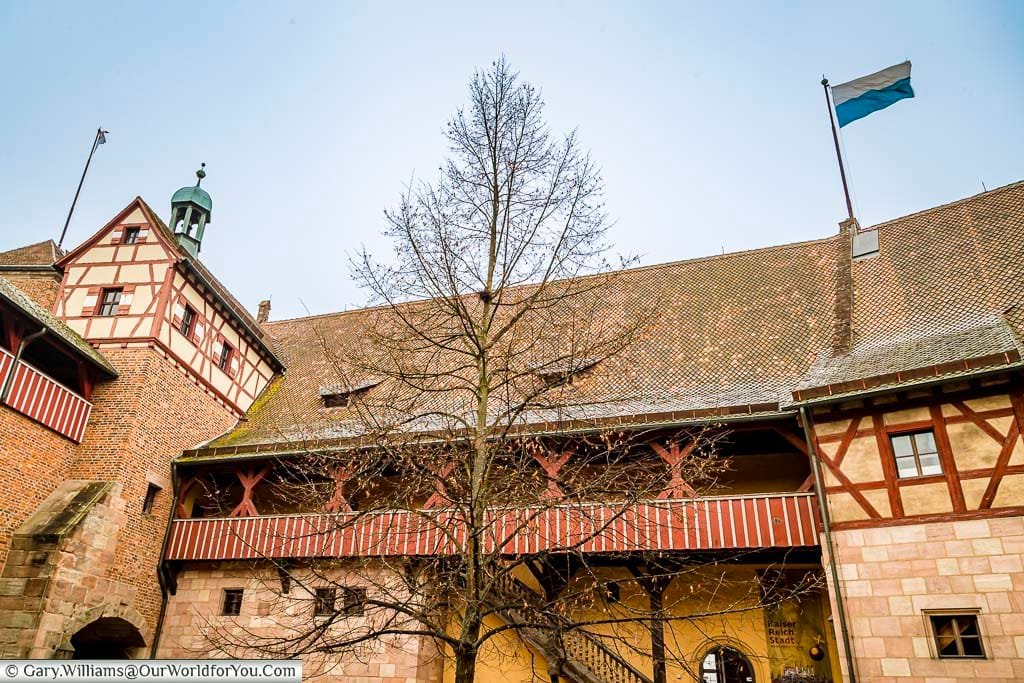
(782,520)
(44,399)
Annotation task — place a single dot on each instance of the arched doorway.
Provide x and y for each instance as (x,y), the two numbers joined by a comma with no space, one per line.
(725,665)
(107,638)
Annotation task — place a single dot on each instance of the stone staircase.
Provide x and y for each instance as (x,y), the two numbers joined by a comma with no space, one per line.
(576,655)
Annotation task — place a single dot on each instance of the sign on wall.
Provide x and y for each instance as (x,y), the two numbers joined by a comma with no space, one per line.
(795,627)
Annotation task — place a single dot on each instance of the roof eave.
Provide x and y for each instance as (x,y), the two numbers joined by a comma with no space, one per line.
(276,362)
(105,368)
(912,384)
(262,451)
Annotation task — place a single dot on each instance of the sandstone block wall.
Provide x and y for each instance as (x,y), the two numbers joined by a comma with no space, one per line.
(891,576)
(53,584)
(194,621)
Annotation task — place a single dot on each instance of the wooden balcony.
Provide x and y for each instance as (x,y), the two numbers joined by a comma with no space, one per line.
(45,400)
(781,520)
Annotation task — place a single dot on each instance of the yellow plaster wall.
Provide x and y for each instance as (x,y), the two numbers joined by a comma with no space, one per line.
(505,658)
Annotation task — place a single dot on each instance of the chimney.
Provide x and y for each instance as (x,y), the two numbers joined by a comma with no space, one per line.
(842,331)
(263,314)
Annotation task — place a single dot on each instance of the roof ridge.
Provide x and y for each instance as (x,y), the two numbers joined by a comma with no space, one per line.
(635,269)
(947,205)
(55,252)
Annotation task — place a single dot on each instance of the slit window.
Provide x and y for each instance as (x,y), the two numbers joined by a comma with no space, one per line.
(110,299)
(957,636)
(131,236)
(150,499)
(188,322)
(916,454)
(232,605)
(225,357)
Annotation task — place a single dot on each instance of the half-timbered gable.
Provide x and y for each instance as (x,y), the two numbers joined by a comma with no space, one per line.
(105,264)
(132,284)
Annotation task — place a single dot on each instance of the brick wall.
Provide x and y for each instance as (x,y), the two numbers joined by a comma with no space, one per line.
(33,462)
(193,621)
(141,421)
(891,575)
(42,287)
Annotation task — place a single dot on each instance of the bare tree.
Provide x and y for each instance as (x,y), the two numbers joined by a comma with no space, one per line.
(476,396)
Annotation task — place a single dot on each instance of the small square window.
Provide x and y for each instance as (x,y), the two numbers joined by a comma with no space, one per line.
(353,602)
(131,236)
(232,606)
(150,499)
(957,636)
(188,322)
(325,602)
(225,357)
(916,454)
(110,299)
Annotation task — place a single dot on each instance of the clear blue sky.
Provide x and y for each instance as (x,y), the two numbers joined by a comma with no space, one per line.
(707,119)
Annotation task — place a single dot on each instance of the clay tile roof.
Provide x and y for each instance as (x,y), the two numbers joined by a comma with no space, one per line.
(739,333)
(44,253)
(71,339)
(943,293)
(712,346)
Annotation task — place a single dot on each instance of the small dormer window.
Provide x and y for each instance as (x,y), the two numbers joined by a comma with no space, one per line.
(131,236)
(343,395)
(563,372)
(188,321)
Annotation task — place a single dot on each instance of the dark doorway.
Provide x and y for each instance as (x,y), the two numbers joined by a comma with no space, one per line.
(725,665)
(107,638)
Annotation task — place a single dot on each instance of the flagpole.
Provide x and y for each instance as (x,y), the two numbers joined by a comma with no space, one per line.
(839,155)
(95,144)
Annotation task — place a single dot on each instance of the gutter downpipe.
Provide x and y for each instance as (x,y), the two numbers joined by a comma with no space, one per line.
(826,524)
(161,567)
(9,381)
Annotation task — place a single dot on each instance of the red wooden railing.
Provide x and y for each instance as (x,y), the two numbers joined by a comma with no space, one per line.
(756,521)
(44,399)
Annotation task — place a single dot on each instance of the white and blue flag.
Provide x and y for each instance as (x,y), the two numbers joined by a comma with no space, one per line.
(862,96)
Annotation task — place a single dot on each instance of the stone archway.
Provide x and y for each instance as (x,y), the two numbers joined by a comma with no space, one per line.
(107,638)
(106,632)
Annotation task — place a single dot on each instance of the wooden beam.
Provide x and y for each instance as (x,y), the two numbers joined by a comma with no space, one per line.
(949,469)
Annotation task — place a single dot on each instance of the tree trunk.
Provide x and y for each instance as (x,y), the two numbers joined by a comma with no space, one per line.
(465,665)
(657,632)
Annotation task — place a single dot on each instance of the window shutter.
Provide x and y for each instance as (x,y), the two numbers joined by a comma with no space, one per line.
(117,235)
(143,232)
(198,329)
(217,348)
(92,300)
(178,314)
(233,365)
(127,294)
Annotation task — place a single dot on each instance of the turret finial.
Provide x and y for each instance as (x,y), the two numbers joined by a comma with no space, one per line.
(201,173)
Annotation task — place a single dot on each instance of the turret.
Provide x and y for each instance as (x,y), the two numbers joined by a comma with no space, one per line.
(191,208)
